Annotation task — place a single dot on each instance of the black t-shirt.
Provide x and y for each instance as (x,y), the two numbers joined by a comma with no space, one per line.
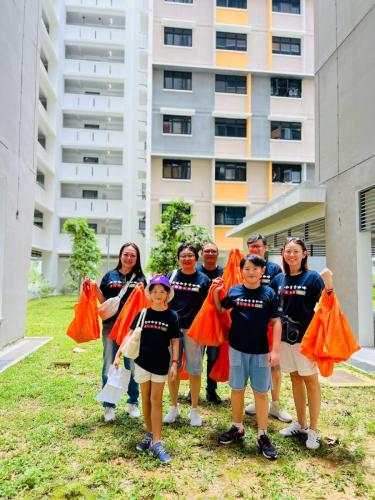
(211,274)
(272,270)
(251,313)
(301,293)
(158,330)
(111,285)
(190,290)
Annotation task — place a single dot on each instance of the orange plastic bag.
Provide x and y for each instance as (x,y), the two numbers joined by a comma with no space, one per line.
(85,325)
(232,273)
(220,370)
(209,327)
(183,374)
(329,338)
(135,303)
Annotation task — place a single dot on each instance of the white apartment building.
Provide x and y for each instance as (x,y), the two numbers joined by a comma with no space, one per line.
(92,127)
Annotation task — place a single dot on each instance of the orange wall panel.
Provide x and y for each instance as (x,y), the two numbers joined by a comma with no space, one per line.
(232,16)
(231,191)
(225,243)
(231,59)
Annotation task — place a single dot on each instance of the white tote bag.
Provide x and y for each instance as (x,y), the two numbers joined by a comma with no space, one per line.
(116,386)
(110,307)
(133,340)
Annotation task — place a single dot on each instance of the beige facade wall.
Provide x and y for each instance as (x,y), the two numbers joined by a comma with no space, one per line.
(258,184)
(294,106)
(197,16)
(292,151)
(230,103)
(230,147)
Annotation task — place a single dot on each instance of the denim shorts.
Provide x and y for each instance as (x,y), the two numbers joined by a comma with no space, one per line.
(253,366)
(193,354)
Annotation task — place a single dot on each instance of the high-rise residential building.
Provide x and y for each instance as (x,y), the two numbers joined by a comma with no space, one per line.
(92,127)
(19,61)
(232,107)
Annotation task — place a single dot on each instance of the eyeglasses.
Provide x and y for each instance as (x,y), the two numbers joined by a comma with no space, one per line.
(256,246)
(129,256)
(210,251)
(187,256)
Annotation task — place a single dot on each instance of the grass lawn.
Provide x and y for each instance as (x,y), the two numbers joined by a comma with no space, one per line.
(54,443)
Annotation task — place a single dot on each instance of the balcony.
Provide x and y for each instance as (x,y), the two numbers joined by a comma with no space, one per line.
(97,103)
(90,34)
(81,68)
(78,207)
(81,173)
(44,158)
(64,245)
(97,4)
(44,198)
(41,239)
(96,138)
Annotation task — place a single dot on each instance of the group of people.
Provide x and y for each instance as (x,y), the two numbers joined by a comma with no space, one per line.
(270,312)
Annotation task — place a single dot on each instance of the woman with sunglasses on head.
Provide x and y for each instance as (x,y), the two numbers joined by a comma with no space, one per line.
(190,289)
(127,273)
(298,290)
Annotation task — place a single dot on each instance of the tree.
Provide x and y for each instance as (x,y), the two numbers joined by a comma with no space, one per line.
(175,229)
(86,256)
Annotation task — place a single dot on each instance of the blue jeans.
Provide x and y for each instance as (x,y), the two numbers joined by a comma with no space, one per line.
(212,354)
(110,349)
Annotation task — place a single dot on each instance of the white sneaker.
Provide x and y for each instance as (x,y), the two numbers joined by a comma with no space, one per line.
(170,417)
(313,441)
(250,409)
(281,415)
(133,411)
(195,418)
(293,430)
(109,415)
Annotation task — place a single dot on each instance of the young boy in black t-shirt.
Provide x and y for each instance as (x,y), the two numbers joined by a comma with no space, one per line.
(152,366)
(253,306)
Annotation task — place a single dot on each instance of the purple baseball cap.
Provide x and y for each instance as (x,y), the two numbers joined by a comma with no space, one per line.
(160,279)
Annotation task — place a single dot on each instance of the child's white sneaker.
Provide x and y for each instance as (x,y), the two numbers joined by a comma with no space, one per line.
(195,418)
(109,415)
(293,430)
(133,411)
(313,441)
(171,416)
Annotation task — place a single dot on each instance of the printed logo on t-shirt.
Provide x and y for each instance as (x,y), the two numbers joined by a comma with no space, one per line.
(293,290)
(156,325)
(265,279)
(120,284)
(188,287)
(249,303)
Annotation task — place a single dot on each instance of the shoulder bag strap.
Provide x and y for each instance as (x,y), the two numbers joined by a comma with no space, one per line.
(124,289)
(173,275)
(141,318)
(282,297)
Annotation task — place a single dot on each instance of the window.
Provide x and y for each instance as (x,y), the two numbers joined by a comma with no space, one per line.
(142,224)
(89,193)
(42,139)
(179,1)
(230,171)
(231,84)
(229,216)
(286,87)
(290,131)
(230,127)
(178,36)
(231,41)
(93,226)
(40,178)
(282,172)
(282,45)
(91,125)
(177,80)
(235,4)
(90,159)
(176,169)
(287,6)
(38,218)
(176,124)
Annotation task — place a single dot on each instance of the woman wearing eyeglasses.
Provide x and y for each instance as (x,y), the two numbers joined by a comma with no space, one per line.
(298,290)
(128,273)
(190,289)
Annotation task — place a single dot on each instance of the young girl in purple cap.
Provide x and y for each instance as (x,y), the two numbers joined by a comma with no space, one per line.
(153,365)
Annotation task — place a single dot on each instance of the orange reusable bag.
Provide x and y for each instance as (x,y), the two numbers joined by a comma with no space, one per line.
(85,325)
(183,374)
(209,326)
(232,273)
(135,303)
(329,338)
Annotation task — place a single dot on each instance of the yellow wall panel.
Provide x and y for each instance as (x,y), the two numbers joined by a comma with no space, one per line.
(232,16)
(231,59)
(231,191)
(225,243)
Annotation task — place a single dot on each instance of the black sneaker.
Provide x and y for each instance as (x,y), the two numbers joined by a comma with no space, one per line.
(213,397)
(266,448)
(234,434)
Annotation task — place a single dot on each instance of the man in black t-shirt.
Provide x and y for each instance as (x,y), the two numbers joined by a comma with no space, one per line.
(210,268)
(257,244)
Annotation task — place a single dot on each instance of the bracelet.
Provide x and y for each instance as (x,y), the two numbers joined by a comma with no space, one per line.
(174,361)
(329,290)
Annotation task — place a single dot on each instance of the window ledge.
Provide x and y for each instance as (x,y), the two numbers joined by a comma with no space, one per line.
(177,135)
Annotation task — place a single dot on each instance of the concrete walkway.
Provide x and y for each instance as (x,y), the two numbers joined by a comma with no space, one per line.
(14,353)
(364,359)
